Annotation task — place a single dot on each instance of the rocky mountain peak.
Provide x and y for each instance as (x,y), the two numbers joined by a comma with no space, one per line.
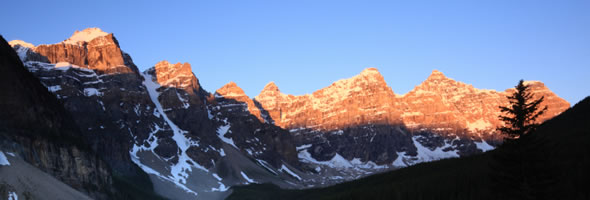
(166,68)
(370,75)
(13,43)
(369,80)
(437,75)
(555,104)
(231,90)
(271,87)
(85,35)
(91,48)
(179,75)
(440,84)
(370,72)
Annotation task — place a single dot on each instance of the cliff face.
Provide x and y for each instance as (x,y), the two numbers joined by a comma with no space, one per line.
(441,102)
(91,48)
(361,122)
(233,92)
(363,99)
(437,103)
(190,141)
(35,126)
(160,121)
(248,128)
(105,95)
(178,91)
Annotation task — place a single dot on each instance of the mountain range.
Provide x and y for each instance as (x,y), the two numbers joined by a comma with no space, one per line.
(160,128)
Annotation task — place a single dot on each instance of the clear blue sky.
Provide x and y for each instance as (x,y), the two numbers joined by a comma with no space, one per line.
(306,45)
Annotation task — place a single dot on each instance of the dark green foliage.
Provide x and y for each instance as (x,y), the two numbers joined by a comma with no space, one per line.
(558,159)
(521,113)
(518,168)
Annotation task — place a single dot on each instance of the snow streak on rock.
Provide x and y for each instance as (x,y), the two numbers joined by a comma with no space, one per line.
(179,171)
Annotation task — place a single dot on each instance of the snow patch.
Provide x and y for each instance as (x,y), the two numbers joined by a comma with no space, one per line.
(247,178)
(85,35)
(484,146)
(54,88)
(92,92)
(426,155)
(221,188)
(337,161)
(21,51)
(21,43)
(306,146)
(288,171)
(267,166)
(3,159)
(221,131)
(179,171)
(399,162)
(12,196)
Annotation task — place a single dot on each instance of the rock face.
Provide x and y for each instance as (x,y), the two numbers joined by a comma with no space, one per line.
(107,99)
(441,102)
(194,143)
(231,91)
(36,127)
(360,121)
(438,103)
(160,121)
(91,48)
(184,102)
(360,100)
(248,129)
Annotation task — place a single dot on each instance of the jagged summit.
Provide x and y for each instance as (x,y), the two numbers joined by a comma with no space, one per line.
(85,35)
(437,75)
(230,90)
(167,67)
(91,48)
(21,43)
(163,62)
(368,78)
(370,72)
(271,86)
(179,75)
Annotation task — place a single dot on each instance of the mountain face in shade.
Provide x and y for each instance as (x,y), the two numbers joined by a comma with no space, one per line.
(35,127)
(233,92)
(193,143)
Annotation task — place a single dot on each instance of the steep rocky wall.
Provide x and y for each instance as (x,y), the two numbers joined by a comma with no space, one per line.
(34,124)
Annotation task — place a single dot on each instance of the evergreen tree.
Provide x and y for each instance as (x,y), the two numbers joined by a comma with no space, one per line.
(521,114)
(518,167)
